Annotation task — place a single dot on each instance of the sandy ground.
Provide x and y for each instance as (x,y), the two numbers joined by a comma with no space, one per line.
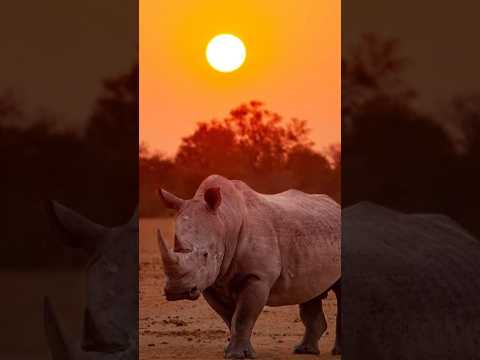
(192,330)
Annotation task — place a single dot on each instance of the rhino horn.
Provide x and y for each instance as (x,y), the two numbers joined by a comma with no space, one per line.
(81,232)
(133,222)
(59,348)
(171,260)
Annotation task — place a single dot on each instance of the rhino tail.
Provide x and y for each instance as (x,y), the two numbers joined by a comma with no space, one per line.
(58,345)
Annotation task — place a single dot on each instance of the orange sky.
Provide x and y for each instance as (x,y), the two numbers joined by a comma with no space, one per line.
(293,64)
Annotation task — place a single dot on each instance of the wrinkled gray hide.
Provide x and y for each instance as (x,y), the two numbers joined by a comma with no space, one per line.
(243,250)
(411,286)
(110,326)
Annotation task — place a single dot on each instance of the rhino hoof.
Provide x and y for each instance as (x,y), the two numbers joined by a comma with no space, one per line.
(306,349)
(240,353)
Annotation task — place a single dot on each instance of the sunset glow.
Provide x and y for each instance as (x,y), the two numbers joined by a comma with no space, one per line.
(292,64)
(226,53)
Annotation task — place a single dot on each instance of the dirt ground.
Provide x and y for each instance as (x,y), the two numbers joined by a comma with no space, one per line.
(192,330)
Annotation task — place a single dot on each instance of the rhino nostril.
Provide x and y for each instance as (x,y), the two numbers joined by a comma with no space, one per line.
(193,290)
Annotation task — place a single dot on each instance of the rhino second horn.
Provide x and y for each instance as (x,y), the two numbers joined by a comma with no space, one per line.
(170,259)
(58,345)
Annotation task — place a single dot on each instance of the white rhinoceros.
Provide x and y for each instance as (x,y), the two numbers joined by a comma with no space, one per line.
(243,250)
(411,286)
(110,327)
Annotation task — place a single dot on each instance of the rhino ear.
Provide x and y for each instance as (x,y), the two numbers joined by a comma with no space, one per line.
(80,232)
(213,197)
(170,200)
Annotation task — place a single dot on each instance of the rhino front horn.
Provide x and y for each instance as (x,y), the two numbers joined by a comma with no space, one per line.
(59,348)
(169,258)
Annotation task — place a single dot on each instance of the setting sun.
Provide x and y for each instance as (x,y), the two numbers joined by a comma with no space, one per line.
(189,72)
(226,53)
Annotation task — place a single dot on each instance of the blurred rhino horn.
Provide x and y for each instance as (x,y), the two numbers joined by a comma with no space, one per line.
(81,232)
(59,348)
(133,222)
(169,258)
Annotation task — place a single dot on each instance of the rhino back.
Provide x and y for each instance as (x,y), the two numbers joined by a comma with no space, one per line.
(305,230)
(411,286)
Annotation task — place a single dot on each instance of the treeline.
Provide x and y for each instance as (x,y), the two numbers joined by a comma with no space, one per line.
(392,154)
(398,156)
(253,144)
(94,172)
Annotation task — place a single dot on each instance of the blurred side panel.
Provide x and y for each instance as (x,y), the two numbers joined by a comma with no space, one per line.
(410,175)
(68,132)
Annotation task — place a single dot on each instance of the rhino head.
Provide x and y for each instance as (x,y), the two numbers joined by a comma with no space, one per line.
(112,280)
(194,262)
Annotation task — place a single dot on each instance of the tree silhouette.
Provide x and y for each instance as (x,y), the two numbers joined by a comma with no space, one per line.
(253,144)
(464,194)
(395,155)
(154,170)
(256,145)
(113,125)
(251,132)
(96,173)
(373,68)
(111,140)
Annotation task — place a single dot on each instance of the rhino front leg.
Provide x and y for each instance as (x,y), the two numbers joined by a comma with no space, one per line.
(250,303)
(221,307)
(311,313)
(337,349)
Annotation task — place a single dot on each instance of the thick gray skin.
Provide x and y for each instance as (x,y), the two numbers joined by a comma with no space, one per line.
(411,286)
(111,314)
(243,250)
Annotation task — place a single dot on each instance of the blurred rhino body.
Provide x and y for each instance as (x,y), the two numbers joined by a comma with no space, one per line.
(243,250)
(62,348)
(411,286)
(111,315)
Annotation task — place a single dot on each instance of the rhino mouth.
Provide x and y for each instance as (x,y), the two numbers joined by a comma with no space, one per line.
(192,294)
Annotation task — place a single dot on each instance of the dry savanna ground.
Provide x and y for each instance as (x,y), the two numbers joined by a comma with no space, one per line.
(192,330)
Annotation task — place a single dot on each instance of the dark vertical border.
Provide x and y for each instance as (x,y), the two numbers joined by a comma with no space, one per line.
(410,175)
(68,132)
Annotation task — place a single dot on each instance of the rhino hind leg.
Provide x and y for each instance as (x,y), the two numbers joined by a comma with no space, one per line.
(311,313)
(337,348)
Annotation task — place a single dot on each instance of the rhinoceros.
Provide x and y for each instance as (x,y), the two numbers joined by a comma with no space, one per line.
(411,286)
(243,250)
(110,327)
